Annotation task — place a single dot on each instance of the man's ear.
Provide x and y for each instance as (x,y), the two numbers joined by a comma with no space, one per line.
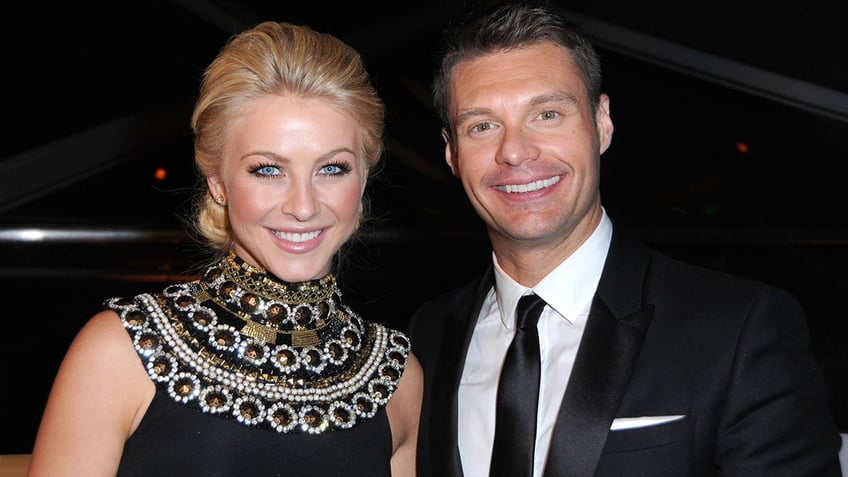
(603,121)
(449,156)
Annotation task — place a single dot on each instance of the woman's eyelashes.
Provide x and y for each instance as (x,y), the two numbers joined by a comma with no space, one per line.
(273,170)
(265,170)
(335,169)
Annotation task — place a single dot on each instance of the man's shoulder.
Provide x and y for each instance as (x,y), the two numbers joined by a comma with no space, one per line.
(449,297)
(452,303)
(631,250)
(697,273)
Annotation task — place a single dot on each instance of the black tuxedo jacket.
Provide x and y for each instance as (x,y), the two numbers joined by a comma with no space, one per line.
(663,338)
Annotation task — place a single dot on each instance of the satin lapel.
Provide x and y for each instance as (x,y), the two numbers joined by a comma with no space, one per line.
(458,329)
(608,350)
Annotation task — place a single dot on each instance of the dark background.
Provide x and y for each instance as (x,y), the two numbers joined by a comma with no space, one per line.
(730,150)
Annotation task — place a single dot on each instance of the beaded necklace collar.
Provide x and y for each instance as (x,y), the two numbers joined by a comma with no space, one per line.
(240,344)
(268,306)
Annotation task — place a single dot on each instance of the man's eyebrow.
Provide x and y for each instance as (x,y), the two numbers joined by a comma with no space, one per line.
(470,113)
(556,97)
(547,98)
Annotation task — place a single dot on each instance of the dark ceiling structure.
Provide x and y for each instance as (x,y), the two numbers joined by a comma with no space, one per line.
(93,83)
(730,149)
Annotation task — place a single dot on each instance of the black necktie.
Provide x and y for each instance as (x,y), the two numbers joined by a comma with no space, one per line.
(518,395)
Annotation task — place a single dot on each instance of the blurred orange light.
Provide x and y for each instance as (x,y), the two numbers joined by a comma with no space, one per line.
(741,147)
(160,174)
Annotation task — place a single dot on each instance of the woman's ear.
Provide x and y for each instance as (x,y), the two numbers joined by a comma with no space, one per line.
(215,186)
(217,189)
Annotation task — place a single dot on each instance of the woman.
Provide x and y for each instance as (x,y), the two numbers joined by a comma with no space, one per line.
(258,367)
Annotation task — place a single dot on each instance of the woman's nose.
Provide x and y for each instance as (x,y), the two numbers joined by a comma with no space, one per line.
(301,201)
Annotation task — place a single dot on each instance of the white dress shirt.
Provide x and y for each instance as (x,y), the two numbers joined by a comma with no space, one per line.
(568,291)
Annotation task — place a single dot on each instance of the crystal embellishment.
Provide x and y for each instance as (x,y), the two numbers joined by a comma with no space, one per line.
(242,345)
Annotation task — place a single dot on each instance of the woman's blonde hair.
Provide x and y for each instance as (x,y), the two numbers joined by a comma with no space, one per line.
(276,59)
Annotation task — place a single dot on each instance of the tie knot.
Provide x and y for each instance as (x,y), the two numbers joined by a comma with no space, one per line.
(528,310)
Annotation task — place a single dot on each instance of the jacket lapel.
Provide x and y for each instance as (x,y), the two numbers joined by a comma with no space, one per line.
(611,342)
(458,329)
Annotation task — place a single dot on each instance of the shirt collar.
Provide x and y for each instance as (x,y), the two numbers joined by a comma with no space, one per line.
(569,287)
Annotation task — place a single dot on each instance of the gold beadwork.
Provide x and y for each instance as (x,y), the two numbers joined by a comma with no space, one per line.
(331,370)
(304,338)
(260,332)
(299,310)
(256,281)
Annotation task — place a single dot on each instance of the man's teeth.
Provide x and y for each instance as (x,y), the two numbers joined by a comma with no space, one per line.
(293,237)
(533,186)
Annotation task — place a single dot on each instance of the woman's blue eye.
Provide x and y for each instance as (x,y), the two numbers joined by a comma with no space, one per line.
(266,170)
(334,169)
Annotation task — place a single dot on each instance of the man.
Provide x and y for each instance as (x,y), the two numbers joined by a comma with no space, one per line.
(648,366)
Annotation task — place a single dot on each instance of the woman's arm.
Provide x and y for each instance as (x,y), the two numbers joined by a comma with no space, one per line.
(404,411)
(98,397)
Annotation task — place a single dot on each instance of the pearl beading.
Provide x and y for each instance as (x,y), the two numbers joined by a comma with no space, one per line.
(212,367)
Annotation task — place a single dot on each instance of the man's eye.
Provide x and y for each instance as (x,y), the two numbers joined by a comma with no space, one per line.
(482,127)
(549,115)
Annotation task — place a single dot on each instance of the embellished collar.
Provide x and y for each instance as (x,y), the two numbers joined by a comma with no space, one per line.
(269,306)
(240,344)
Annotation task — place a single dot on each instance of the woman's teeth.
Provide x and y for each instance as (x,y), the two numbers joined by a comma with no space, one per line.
(297,237)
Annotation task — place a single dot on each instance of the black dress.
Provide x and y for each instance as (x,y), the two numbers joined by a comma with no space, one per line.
(259,377)
(173,440)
